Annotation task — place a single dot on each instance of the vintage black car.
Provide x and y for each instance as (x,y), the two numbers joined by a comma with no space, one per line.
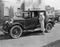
(28,22)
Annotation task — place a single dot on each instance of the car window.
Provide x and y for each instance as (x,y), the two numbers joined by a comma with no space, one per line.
(27,15)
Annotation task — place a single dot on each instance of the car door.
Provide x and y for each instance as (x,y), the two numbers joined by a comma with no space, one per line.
(31,22)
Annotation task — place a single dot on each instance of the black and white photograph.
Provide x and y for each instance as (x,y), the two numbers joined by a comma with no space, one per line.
(29,23)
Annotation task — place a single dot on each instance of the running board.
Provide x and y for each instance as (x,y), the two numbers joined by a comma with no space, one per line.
(37,29)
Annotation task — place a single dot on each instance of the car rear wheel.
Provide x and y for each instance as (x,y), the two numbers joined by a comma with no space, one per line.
(15,31)
(48,27)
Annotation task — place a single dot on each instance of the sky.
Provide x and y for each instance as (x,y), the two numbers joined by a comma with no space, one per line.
(15,4)
(53,3)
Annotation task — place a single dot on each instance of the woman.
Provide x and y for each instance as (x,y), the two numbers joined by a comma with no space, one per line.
(41,21)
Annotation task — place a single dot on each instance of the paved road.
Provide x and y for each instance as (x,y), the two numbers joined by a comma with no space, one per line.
(35,39)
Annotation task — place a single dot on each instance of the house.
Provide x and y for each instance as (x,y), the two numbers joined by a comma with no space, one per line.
(8,8)
(14,4)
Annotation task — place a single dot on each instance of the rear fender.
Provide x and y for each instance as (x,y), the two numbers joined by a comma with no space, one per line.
(51,23)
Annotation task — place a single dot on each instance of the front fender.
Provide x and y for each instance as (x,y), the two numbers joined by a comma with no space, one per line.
(16,23)
(7,26)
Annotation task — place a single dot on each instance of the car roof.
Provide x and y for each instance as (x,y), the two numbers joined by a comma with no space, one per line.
(35,11)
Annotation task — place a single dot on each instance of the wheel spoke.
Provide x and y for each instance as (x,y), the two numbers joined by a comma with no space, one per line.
(16,32)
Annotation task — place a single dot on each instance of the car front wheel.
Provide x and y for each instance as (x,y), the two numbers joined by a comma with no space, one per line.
(48,27)
(15,31)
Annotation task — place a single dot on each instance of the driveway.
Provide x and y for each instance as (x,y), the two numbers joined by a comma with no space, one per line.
(33,39)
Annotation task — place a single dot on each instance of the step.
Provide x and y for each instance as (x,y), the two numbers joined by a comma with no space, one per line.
(37,29)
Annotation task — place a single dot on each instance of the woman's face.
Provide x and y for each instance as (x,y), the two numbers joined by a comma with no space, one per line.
(41,13)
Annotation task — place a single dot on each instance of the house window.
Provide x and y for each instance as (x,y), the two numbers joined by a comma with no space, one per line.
(6,11)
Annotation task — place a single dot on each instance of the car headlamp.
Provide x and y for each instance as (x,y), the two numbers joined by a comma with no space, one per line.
(6,22)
